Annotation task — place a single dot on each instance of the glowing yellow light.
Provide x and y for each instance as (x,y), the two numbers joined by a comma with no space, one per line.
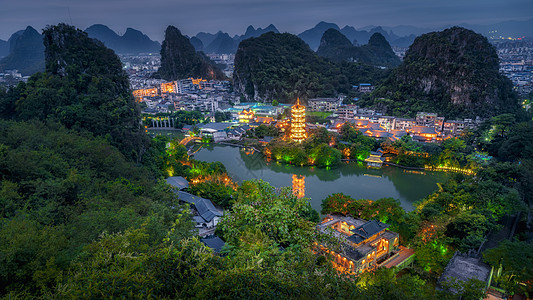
(298,132)
(298,185)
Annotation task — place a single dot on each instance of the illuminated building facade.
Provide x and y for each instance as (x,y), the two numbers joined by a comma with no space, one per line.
(139,94)
(169,87)
(374,160)
(298,185)
(246,116)
(199,82)
(364,244)
(298,133)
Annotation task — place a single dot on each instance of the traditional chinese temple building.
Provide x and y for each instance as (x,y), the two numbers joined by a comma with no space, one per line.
(364,244)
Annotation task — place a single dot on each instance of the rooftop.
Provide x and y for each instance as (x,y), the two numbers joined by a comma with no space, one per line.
(178,182)
(213,242)
(463,267)
(366,230)
(216,126)
(205,207)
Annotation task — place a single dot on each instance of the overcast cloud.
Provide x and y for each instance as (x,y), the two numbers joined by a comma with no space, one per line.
(233,16)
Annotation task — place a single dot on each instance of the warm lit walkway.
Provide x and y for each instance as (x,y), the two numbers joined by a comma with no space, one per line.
(399,258)
(186,140)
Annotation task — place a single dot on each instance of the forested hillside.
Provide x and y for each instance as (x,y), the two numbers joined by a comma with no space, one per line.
(179,59)
(282,66)
(453,72)
(69,139)
(83,88)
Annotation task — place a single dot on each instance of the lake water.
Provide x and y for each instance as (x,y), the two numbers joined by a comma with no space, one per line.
(351,178)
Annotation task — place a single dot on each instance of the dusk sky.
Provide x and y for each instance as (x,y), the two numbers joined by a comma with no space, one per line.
(233,16)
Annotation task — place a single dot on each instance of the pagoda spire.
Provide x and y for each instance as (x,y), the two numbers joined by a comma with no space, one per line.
(298,132)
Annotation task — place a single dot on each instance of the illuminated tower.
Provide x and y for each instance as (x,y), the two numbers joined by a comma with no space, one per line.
(298,186)
(298,132)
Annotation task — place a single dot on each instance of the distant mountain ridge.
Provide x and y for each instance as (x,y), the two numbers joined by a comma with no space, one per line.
(26,52)
(132,42)
(337,47)
(313,36)
(252,32)
(222,43)
(358,37)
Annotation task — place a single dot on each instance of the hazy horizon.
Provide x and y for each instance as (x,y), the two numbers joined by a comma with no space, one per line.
(234,16)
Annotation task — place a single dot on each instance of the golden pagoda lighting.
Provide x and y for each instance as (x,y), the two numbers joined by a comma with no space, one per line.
(298,185)
(298,132)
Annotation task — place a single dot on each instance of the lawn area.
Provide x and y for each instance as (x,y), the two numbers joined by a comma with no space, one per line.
(318,114)
(170,133)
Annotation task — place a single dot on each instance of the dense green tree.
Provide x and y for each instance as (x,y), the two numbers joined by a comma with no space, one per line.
(60,190)
(513,261)
(281,66)
(502,123)
(217,192)
(179,59)
(427,79)
(84,87)
(222,116)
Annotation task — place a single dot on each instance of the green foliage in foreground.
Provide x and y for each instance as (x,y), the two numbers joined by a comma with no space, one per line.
(513,261)
(60,191)
(268,255)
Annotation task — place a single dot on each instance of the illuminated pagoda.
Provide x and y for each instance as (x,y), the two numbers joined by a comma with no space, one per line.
(298,132)
(298,185)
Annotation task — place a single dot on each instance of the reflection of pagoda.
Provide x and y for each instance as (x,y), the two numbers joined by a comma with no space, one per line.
(298,133)
(298,185)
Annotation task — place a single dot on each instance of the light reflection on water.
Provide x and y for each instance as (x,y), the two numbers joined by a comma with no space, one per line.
(350,178)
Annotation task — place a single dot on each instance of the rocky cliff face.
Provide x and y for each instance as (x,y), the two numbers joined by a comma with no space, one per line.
(85,88)
(454,73)
(26,52)
(179,59)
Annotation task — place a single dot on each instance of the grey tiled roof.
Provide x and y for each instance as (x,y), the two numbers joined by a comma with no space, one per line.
(178,182)
(213,242)
(205,207)
(366,230)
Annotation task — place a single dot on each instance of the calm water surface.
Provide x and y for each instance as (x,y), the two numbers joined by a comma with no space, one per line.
(351,178)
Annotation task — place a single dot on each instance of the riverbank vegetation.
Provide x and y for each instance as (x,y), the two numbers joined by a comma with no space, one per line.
(466,213)
(325,148)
